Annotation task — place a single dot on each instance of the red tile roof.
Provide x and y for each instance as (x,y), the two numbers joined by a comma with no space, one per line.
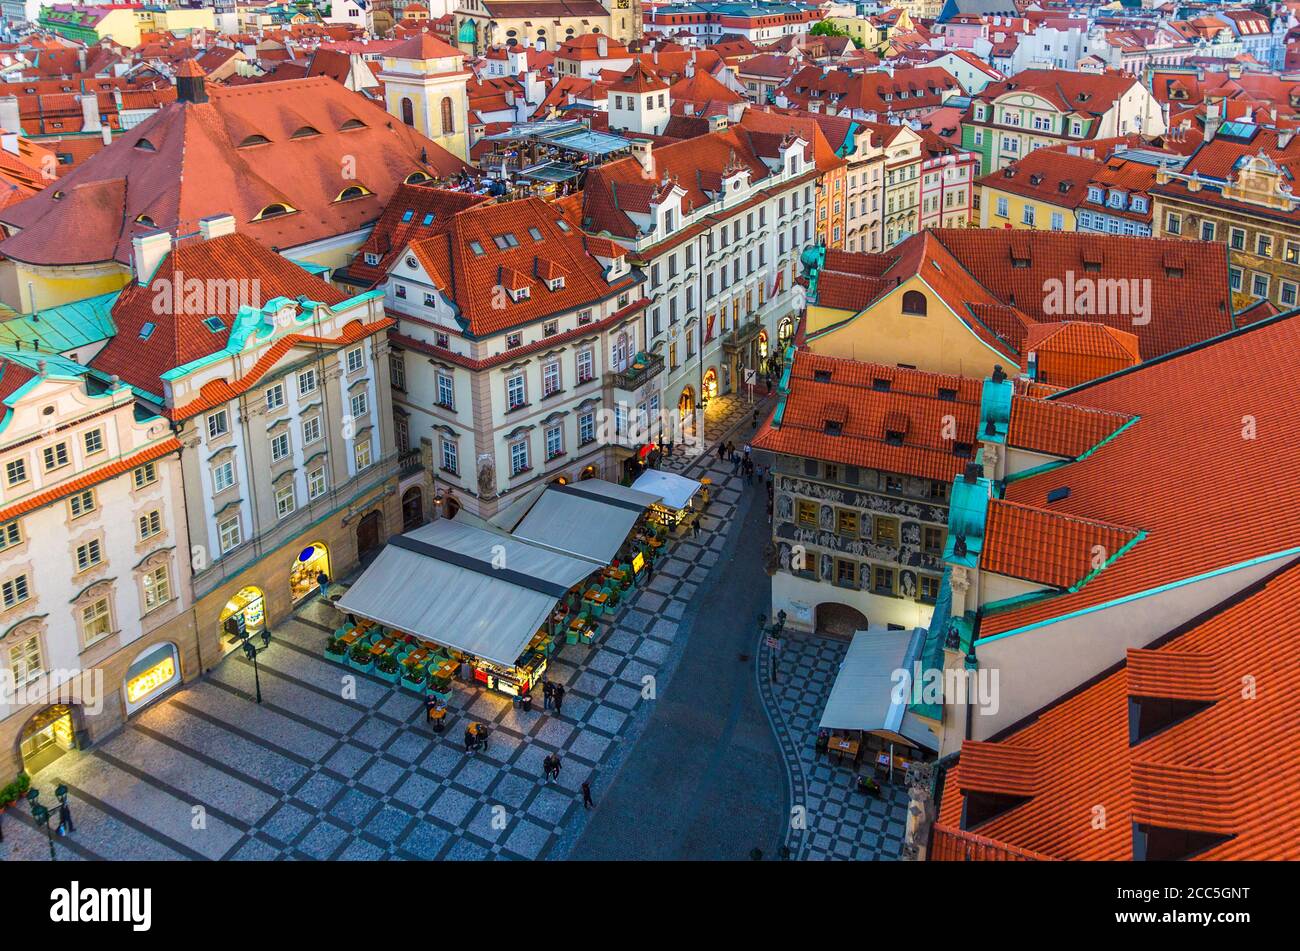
(90,478)
(846,392)
(1047,547)
(1202,774)
(179,334)
(193,160)
(1207,470)
(1075,351)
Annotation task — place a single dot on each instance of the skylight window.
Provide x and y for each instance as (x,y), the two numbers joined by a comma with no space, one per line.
(147,331)
(506,241)
(215,324)
(476,247)
(562,224)
(534,234)
(408,215)
(428,219)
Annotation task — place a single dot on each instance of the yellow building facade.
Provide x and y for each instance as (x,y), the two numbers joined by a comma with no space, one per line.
(425,87)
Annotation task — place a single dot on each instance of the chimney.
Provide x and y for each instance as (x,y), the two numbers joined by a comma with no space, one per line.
(147,252)
(106,133)
(602,46)
(9,118)
(641,152)
(999,374)
(215,226)
(89,112)
(972,473)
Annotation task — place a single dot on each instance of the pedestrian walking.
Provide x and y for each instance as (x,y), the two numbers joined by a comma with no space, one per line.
(548,690)
(747,450)
(557,697)
(769,384)
(695,527)
(546,766)
(756,419)
(323,581)
(586,795)
(668,449)
(722,451)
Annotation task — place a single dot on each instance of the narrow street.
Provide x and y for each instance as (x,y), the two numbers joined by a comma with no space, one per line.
(706,779)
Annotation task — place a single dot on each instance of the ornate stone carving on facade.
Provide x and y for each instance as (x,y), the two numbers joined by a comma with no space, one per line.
(487,477)
(959,581)
(920,810)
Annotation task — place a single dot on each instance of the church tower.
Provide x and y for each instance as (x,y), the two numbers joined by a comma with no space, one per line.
(425,82)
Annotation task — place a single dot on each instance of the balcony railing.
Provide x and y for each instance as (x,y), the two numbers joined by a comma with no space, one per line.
(644,368)
(410,462)
(743,334)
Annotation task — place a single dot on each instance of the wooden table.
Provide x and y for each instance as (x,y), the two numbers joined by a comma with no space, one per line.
(382,646)
(350,637)
(843,746)
(599,597)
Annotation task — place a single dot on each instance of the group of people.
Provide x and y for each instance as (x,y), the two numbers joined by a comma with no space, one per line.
(552,696)
(742,462)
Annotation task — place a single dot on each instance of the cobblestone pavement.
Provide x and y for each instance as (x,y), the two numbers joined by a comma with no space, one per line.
(724,418)
(840,822)
(314,774)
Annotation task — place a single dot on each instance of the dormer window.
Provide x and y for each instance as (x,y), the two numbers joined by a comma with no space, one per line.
(305,132)
(555,283)
(273,211)
(254,140)
(144,145)
(352,192)
(515,340)
(518,293)
(372,258)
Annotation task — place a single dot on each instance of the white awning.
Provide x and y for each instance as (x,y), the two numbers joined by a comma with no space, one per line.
(870,695)
(599,488)
(587,526)
(676,491)
(475,590)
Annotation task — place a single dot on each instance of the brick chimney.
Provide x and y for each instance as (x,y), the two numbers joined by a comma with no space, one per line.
(216,226)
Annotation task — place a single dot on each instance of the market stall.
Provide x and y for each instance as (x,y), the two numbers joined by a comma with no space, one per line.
(679,497)
(474,597)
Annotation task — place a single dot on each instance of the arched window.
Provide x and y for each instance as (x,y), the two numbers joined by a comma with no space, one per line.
(914,304)
(408,112)
(448,120)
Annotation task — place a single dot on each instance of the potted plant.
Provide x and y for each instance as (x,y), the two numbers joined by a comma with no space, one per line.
(440,686)
(413,678)
(14,791)
(361,659)
(386,668)
(336,650)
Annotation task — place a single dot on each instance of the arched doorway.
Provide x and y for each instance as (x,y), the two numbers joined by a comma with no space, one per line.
(710,383)
(839,620)
(243,616)
(309,563)
(762,345)
(590,472)
(784,332)
(368,532)
(47,736)
(560,480)
(412,508)
(686,411)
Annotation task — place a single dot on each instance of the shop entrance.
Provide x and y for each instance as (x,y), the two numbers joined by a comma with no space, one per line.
(311,561)
(710,383)
(243,615)
(46,737)
(368,533)
(155,671)
(686,411)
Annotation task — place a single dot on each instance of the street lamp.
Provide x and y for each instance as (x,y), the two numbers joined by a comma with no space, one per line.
(42,817)
(251,651)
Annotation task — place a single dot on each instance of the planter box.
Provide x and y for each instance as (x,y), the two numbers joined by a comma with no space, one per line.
(365,667)
(383,675)
(337,658)
(415,686)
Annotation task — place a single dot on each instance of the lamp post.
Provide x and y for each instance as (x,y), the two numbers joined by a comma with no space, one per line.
(42,817)
(251,651)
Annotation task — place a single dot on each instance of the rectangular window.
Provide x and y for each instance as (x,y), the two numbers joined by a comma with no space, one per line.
(550,328)
(356,359)
(446,391)
(83,503)
(554,442)
(932,539)
(279,446)
(275,396)
(450,457)
(883,580)
(15,590)
(551,378)
(56,456)
(157,587)
(310,430)
(11,535)
(846,573)
(1174,223)
(230,534)
(397,370)
(16,471)
(284,501)
(316,483)
(887,531)
(586,366)
(25,660)
(847,523)
(223,476)
(362,454)
(1237,239)
(96,621)
(218,424)
(89,555)
(807,513)
(360,405)
(150,524)
(929,589)
(307,381)
(515,391)
(1259,285)
(1264,245)
(1207,230)
(587,428)
(94,441)
(518,457)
